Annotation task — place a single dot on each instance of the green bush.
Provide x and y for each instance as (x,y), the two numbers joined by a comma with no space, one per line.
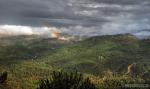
(120,82)
(64,80)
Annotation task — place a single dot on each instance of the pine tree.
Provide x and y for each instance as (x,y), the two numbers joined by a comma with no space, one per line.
(64,80)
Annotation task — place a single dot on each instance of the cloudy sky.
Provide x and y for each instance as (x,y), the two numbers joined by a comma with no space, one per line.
(78,17)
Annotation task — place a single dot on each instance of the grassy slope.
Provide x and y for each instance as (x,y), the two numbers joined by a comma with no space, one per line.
(91,56)
(97,54)
(18,56)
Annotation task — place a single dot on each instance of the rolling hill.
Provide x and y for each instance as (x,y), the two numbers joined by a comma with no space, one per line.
(97,54)
(29,58)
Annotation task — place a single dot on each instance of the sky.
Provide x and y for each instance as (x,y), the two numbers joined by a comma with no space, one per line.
(77,17)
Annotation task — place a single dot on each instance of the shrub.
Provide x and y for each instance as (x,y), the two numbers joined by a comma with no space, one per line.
(3,77)
(120,82)
(64,80)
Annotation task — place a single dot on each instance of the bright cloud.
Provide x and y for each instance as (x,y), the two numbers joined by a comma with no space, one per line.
(26,30)
(15,30)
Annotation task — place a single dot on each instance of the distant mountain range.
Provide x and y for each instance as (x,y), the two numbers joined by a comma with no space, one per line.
(141,34)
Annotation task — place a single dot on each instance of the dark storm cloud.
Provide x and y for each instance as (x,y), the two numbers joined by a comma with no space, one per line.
(78,16)
(122,2)
(33,12)
(17,10)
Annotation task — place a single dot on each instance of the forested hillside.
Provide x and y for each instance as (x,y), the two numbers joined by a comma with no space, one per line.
(29,59)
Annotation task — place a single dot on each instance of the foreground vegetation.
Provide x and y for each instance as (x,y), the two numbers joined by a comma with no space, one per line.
(107,60)
(64,80)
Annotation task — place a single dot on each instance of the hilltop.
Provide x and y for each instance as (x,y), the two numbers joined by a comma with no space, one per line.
(100,53)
